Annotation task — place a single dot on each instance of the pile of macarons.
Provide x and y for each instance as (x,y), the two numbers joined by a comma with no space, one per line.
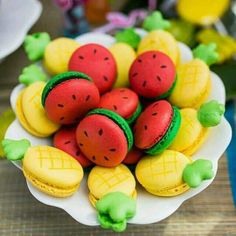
(131,112)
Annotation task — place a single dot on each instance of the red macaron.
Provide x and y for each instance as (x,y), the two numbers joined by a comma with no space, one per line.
(97,62)
(133,156)
(123,101)
(65,140)
(69,96)
(152,75)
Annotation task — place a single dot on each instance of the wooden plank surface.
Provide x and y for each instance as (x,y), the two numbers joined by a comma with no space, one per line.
(210,213)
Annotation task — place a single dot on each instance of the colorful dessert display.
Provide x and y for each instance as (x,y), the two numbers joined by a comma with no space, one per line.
(124,102)
(97,62)
(152,75)
(156,127)
(67,97)
(132,110)
(47,168)
(104,137)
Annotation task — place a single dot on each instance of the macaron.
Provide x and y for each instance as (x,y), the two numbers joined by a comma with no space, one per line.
(133,156)
(69,96)
(160,40)
(123,101)
(171,173)
(31,114)
(195,126)
(123,62)
(65,140)
(49,169)
(97,62)
(152,75)
(57,54)
(104,137)
(193,85)
(102,180)
(156,127)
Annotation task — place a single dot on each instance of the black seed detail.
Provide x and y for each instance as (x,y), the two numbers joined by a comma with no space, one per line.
(134,74)
(106,58)
(67,142)
(158,78)
(94,50)
(154,56)
(94,158)
(81,57)
(77,153)
(81,144)
(155,104)
(112,150)
(74,97)
(154,114)
(139,60)
(144,83)
(106,158)
(115,107)
(86,134)
(87,98)
(100,132)
(145,127)
(105,78)
(163,66)
(60,105)
(62,118)
(125,97)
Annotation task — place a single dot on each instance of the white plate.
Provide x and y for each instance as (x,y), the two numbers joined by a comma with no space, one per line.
(158,208)
(16,18)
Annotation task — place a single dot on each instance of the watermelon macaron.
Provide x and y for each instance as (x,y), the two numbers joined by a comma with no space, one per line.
(97,62)
(152,75)
(156,127)
(65,140)
(123,101)
(104,137)
(69,96)
(133,156)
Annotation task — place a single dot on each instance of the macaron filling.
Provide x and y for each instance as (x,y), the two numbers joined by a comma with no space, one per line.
(60,78)
(135,115)
(169,136)
(168,93)
(119,121)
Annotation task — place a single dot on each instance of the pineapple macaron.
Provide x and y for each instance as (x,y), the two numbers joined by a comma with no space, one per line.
(193,85)
(158,39)
(29,110)
(112,192)
(195,126)
(49,169)
(172,173)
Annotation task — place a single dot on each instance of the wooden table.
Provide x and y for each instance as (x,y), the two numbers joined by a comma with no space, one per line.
(210,213)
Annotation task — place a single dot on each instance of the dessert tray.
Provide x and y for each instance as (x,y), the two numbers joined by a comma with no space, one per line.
(158,208)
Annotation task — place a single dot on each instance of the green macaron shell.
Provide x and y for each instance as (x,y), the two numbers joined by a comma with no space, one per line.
(135,115)
(119,121)
(60,78)
(169,136)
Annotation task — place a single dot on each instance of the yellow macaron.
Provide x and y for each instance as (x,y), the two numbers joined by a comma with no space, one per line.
(102,181)
(161,175)
(124,56)
(57,55)
(49,169)
(191,134)
(31,113)
(193,84)
(160,40)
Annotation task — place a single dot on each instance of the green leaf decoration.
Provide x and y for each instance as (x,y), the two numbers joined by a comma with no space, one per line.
(6,118)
